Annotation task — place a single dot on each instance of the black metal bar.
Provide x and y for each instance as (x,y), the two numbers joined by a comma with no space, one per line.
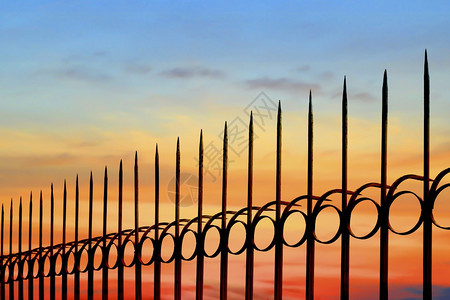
(2,266)
(41,263)
(19,253)
(137,267)
(177,284)
(345,237)
(200,240)
(224,238)
(427,222)
(105,224)
(52,259)
(11,269)
(30,234)
(384,230)
(63,250)
(310,243)
(119,242)
(90,270)
(278,229)
(76,277)
(157,266)
(249,260)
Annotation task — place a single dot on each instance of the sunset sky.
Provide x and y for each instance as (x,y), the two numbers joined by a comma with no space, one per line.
(87,83)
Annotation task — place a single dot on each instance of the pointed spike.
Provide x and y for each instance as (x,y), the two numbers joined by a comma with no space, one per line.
(106,172)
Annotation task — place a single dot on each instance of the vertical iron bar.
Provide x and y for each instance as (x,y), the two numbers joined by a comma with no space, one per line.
(52,259)
(19,253)
(30,231)
(249,262)
(278,229)
(427,222)
(177,285)
(310,243)
(119,242)
(2,265)
(41,263)
(76,285)
(105,219)
(345,237)
(11,269)
(63,252)
(224,237)
(90,254)
(384,239)
(200,240)
(137,266)
(157,271)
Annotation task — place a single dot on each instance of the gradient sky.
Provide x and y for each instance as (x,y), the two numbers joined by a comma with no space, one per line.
(85,84)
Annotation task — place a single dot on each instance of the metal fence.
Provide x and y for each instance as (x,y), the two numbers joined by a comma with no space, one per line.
(79,256)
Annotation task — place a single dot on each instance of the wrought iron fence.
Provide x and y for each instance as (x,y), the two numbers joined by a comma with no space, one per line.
(46,263)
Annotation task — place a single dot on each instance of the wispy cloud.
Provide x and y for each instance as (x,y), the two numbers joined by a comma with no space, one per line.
(77,58)
(327,75)
(191,72)
(304,68)
(363,97)
(138,69)
(281,84)
(76,73)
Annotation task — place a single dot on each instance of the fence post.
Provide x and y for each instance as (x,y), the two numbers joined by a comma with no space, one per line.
(177,244)
(11,268)
(345,238)
(250,250)
(121,251)
(2,266)
(64,259)
(384,230)
(200,240)
(41,262)
(278,289)
(30,230)
(137,266)
(19,253)
(427,222)
(157,266)
(76,277)
(223,235)
(105,223)
(310,243)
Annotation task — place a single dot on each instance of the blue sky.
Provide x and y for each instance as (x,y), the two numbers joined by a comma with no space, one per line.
(85,72)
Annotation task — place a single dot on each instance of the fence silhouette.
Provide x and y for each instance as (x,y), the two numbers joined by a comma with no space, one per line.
(66,258)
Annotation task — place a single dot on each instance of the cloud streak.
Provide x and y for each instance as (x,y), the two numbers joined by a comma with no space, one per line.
(192,72)
(77,74)
(281,84)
